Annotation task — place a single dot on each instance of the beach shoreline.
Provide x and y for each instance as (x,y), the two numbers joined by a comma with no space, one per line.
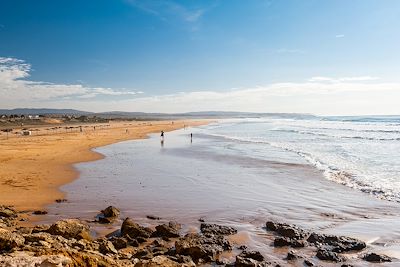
(35,167)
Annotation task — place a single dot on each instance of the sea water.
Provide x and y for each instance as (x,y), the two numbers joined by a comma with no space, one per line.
(359,152)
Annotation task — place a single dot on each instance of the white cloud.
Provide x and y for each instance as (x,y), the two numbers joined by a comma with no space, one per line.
(318,95)
(167,9)
(15,86)
(342,79)
(345,98)
(339,35)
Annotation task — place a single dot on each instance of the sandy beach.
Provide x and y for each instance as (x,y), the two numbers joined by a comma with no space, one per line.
(34,167)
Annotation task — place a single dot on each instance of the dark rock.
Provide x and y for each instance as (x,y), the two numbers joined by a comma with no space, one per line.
(338,243)
(292,255)
(119,242)
(106,247)
(244,262)
(106,220)
(183,259)
(133,243)
(201,247)
(242,247)
(110,212)
(141,239)
(308,263)
(70,228)
(159,251)
(169,230)
(222,262)
(271,226)
(215,229)
(151,217)
(286,230)
(134,230)
(284,241)
(7,212)
(61,200)
(40,212)
(326,255)
(373,257)
(10,240)
(158,243)
(255,255)
(143,253)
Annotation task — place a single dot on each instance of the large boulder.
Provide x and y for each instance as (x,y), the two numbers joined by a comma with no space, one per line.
(285,241)
(7,212)
(10,240)
(110,212)
(106,247)
(255,255)
(215,229)
(286,230)
(201,247)
(327,255)
(250,259)
(373,257)
(134,230)
(36,237)
(168,230)
(70,228)
(337,243)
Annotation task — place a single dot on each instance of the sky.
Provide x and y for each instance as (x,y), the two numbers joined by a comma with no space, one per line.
(303,56)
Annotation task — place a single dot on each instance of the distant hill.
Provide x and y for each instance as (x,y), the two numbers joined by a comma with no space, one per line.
(144,115)
(42,111)
(199,114)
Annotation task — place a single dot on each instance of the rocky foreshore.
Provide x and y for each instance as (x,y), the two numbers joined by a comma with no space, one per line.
(70,243)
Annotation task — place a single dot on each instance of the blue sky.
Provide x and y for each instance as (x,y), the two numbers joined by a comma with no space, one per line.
(174,56)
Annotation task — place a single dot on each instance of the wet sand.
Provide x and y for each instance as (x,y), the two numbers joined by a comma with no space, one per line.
(212,180)
(34,167)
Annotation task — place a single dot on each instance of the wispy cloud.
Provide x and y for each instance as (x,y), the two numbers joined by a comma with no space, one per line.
(16,86)
(168,10)
(342,79)
(350,97)
(339,36)
(320,95)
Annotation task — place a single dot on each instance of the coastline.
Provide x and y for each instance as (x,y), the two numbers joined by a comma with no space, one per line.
(256,231)
(39,165)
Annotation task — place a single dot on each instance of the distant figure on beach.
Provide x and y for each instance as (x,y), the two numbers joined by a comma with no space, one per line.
(80,128)
(191,137)
(126,131)
(162,138)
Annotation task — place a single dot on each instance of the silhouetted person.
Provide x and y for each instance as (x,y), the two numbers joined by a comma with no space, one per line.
(162,136)
(191,137)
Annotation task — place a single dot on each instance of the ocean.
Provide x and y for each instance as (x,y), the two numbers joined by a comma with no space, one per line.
(359,152)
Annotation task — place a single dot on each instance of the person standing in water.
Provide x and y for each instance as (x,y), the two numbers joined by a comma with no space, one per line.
(162,136)
(191,137)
